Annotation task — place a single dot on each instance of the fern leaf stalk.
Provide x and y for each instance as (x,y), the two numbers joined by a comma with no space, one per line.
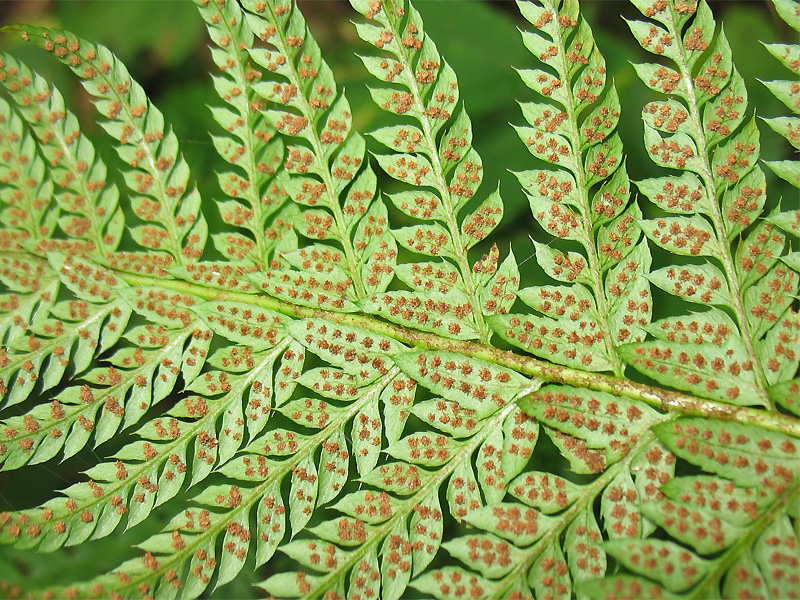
(652,395)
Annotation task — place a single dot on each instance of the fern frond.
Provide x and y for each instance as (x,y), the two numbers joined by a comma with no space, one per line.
(26,189)
(787,393)
(56,332)
(401,520)
(250,144)
(28,214)
(787,92)
(598,433)
(328,170)
(606,301)
(180,448)
(150,472)
(723,191)
(306,427)
(257,473)
(135,378)
(73,330)
(732,519)
(159,176)
(72,161)
(435,155)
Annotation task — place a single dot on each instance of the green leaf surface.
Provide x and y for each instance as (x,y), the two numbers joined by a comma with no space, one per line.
(520,525)
(702,284)
(473,384)
(248,365)
(746,455)
(707,370)
(656,558)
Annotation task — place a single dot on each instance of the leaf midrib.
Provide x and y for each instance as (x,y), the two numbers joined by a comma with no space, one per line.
(653,395)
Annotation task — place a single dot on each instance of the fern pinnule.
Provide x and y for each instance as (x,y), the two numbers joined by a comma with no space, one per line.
(436,156)
(632,553)
(159,176)
(606,301)
(328,171)
(31,287)
(89,201)
(722,191)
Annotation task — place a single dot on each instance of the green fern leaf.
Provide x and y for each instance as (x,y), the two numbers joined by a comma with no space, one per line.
(336,394)
(430,155)
(73,162)
(160,174)
(249,145)
(342,184)
(576,132)
(27,191)
(721,153)
(761,465)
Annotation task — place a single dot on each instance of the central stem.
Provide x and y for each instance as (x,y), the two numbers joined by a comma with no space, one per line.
(655,396)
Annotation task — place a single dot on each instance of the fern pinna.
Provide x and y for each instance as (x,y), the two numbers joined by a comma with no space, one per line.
(338,406)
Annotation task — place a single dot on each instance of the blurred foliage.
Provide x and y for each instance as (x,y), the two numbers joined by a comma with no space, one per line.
(164,45)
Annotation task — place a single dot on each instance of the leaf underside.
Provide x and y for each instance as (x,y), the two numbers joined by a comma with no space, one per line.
(344,388)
